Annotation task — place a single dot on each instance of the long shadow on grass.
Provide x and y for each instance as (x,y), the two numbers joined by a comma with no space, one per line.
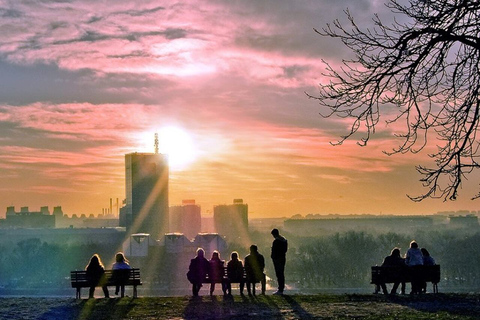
(297,308)
(91,309)
(237,307)
(244,307)
(451,303)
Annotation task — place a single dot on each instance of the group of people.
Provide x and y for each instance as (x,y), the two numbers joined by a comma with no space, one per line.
(254,265)
(413,258)
(96,273)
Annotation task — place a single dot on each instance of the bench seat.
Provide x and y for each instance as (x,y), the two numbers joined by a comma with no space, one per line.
(225,278)
(392,274)
(125,277)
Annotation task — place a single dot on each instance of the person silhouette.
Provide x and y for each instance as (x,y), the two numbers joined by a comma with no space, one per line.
(121,263)
(235,273)
(414,259)
(395,260)
(96,275)
(254,266)
(216,272)
(279,258)
(197,271)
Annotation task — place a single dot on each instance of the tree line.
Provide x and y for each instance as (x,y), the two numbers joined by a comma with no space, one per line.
(342,260)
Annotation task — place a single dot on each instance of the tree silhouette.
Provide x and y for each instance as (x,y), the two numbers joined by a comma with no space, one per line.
(424,68)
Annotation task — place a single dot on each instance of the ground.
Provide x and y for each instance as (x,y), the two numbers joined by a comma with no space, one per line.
(429,306)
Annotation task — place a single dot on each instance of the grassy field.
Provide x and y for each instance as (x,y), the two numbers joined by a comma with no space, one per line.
(429,306)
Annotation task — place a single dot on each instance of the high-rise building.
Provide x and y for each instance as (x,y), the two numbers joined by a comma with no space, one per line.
(146,204)
(186,219)
(231,220)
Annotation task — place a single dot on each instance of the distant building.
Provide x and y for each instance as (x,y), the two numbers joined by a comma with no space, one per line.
(468,221)
(66,236)
(28,219)
(146,204)
(186,219)
(326,225)
(177,243)
(231,220)
(138,245)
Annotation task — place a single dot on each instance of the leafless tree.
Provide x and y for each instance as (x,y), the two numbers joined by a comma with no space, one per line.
(425,68)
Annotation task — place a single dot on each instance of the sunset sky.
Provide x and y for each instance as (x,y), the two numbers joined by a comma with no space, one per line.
(82,83)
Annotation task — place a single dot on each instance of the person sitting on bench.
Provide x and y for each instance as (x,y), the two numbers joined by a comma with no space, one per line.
(216,271)
(254,266)
(121,263)
(394,260)
(197,271)
(235,273)
(96,275)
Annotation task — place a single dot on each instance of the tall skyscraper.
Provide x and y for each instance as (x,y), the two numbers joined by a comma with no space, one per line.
(146,204)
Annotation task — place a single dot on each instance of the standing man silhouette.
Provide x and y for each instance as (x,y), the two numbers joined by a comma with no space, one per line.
(279,258)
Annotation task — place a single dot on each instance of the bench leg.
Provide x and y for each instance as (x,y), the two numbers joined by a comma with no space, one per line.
(134,291)
(77,294)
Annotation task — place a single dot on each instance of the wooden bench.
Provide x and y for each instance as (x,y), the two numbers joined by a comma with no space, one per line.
(225,280)
(122,278)
(392,274)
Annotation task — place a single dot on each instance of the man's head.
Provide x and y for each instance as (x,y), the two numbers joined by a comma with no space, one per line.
(275,233)
(200,253)
(253,248)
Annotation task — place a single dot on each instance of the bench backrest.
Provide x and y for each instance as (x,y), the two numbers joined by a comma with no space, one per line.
(111,277)
(392,274)
(225,275)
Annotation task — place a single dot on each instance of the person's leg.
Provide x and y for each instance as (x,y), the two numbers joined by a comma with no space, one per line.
(280,273)
(229,288)
(91,291)
(242,285)
(264,283)
(224,287)
(249,288)
(394,288)
(105,292)
(384,288)
(122,291)
(212,287)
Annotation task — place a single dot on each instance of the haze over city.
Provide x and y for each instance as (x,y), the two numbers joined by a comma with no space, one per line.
(223,84)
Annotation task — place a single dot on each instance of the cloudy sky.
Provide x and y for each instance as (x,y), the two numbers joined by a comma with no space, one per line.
(82,83)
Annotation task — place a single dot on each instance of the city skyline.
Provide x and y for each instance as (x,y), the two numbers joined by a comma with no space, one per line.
(223,83)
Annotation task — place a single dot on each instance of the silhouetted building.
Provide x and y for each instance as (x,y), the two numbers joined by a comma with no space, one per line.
(146,204)
(186,219)
(468,221)
(28,219)
(66,236)
(368,223)
(178,243)
(57,211)
(231,220)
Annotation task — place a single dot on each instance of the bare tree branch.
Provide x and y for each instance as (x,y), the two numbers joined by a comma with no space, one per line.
(428,70)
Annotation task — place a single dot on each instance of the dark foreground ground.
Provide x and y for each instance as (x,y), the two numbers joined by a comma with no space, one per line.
(429,306)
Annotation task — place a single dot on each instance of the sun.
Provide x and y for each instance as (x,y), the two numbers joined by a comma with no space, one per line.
(178,144)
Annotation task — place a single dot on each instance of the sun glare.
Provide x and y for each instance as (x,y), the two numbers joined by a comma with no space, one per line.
(178,145)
